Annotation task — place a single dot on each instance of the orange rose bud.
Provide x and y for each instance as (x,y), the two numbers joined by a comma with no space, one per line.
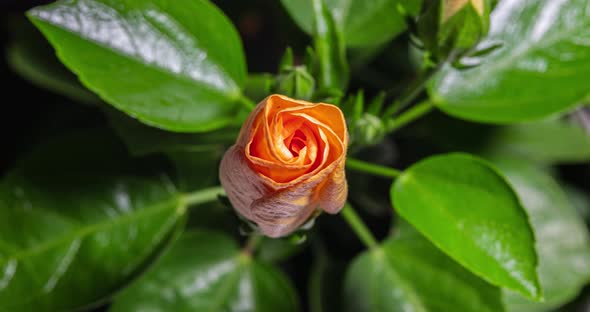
(287,163)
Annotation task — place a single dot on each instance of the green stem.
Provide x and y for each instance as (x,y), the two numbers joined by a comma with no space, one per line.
(392,109)
(202,196)
(251,244)
(359,227)
(409,115)
(359,165)
(412,92)
(246,102)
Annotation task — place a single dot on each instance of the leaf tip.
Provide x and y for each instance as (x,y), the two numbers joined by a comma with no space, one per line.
(531,288)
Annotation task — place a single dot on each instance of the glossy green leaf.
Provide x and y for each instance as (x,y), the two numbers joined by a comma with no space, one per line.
(328,43)
(545,142)
(194,156)
(563,242)
(540,68)
(76,224)
(31,56)
(364,22)
(177,67)
(142,140)
(410,274)
(470,212)
(205,271)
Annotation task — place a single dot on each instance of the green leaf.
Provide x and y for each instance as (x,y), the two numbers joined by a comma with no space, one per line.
(205,271)
(545,51)
(410,274)
(142,140)
(364,22)
(544,142)
(274,250)
(258,86)
(195,169)
(176,67)
(325,282)
(563,242)
(328,42)
(194,156)
(410,7)
(77,223)
(30,56)
(471,213)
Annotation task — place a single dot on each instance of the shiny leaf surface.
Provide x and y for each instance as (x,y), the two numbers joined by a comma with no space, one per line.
(177,67)
(364,22)
(205,271)
(77,224)
(545,142)
(539,70)
(328,42)
(562,238)
(410,274)
(470,212)
(32,57)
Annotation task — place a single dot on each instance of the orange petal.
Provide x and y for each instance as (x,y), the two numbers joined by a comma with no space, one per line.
(335,191)
(287,163)
(249,125)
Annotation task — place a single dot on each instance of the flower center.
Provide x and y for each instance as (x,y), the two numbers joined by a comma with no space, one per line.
(295,142)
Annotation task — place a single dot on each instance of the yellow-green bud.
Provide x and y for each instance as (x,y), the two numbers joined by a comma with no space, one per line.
(452,27)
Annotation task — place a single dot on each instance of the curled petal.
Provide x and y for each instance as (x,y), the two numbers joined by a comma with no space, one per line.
(242,185)
(280,213)
(334,193)
(287,164)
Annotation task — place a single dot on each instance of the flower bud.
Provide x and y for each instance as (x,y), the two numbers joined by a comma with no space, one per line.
(368,130)
(296,82)
(453,26)
(287,164)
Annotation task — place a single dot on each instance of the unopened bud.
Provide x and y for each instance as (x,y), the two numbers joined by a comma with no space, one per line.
(368,130)
(453,26)
(452,7)
(296,82)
